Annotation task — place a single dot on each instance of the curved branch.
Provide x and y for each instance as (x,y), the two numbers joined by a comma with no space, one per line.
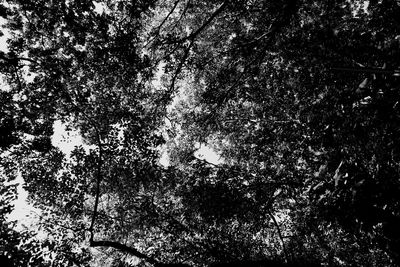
(28,59)
(279,234)
(121,247)
(14,59)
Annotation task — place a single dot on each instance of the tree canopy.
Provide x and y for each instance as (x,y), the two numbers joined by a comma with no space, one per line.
(299,99)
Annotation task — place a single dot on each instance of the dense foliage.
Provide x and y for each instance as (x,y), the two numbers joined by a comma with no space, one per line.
(300,99)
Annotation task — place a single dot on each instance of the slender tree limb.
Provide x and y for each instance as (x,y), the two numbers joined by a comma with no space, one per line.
(98,181)
(182,14)
(28,59)
(14,59)
(124,248)
(208,21)
(178,70)
(279,235)
(180,18)
(168,15)
(180,67)
(158,29)
(192,36)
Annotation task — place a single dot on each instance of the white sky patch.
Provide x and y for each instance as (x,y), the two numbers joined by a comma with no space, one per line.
(3,85)
(208,154)
(164,159)
(157,81)
(203,151)
(80,48)
(3,39)
(99,8)
(23,211)
(65,140)
(359,7)
(3,48)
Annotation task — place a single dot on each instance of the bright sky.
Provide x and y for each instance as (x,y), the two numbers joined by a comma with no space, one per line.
(3,48)
(3,39)
(66,140)
(208,154)
(22,210)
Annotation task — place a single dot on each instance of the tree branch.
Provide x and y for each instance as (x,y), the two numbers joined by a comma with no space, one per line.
(14,59)
(121,247)
(194,34)
(182,14)
(168,15)
(279,234)
(180,67)
(158,29)
(98,181)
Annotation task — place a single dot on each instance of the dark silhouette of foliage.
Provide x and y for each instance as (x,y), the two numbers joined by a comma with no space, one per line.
(299,99)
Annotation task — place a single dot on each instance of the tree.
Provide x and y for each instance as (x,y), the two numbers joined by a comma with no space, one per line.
(309,147)
(270,100)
